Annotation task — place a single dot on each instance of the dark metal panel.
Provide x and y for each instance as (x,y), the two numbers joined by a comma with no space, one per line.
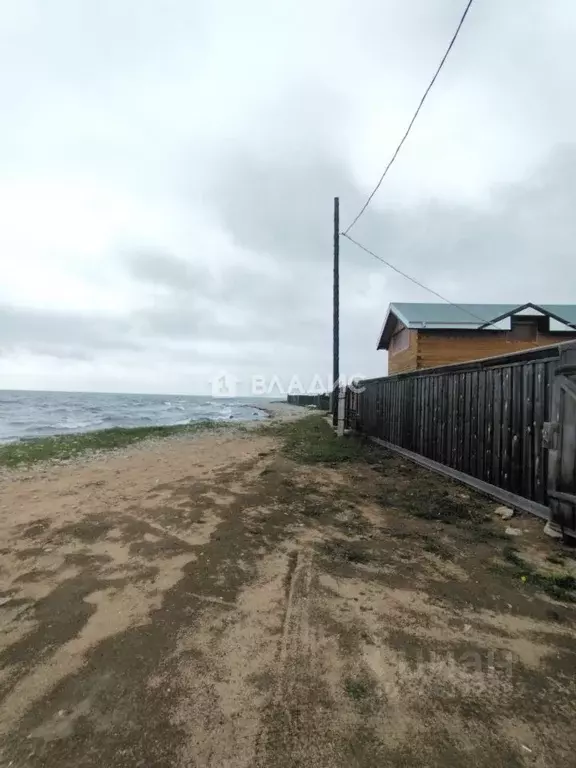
(481,431)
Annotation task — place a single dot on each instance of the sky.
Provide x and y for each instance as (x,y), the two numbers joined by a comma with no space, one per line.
(168,169)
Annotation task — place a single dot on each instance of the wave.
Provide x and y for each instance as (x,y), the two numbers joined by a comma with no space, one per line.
(25,415)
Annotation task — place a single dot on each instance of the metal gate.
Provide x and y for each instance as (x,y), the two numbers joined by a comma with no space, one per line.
(560,437)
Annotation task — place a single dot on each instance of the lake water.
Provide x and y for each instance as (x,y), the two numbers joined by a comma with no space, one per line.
(38,414)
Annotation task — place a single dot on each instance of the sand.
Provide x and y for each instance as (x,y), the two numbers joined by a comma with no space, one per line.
(203,601)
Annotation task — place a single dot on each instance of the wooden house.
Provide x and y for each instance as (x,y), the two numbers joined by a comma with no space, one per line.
(427,335)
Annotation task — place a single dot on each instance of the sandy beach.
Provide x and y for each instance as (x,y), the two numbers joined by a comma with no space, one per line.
(210,601)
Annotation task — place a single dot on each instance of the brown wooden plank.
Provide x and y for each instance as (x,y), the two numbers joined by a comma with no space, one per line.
(437,349)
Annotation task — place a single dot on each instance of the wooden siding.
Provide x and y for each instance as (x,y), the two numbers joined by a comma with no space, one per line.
(444,347)
(407,360)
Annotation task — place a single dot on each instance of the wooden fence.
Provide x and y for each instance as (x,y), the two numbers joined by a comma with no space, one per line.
(322,402)
(484,418)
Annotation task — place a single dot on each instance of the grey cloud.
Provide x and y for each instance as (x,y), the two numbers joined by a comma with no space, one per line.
(66,335)
(482,246)
(110,94)
(517,246)
(165,269)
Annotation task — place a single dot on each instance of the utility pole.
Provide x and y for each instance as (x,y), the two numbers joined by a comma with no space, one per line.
(336,315)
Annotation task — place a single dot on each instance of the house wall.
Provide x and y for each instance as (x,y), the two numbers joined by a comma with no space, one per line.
(444,347)
(407,359)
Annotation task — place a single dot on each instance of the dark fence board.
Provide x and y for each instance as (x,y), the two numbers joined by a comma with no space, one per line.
(539,406)
(483,418)
(489,427)
(516,431)
(480,416)
(527,431)
(322,402)
(505,454)
(496,426)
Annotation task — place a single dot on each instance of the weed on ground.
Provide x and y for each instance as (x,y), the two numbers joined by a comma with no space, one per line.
(63,447)
(561,586)
(312,440)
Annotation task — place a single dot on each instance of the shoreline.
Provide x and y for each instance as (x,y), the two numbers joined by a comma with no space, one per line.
(57,449)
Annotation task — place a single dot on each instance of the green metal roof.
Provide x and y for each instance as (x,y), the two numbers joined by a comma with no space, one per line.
(436,315)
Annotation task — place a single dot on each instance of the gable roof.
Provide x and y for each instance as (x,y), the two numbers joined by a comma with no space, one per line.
(434,315)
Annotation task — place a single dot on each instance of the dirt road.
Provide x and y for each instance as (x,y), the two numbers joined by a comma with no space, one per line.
(212,602)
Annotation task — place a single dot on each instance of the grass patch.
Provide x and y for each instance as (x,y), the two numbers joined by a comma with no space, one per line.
(62,447)
(347,552)
(560,586)
(437,549)
(556,559)
(358,689)
(312,440)
(439,504)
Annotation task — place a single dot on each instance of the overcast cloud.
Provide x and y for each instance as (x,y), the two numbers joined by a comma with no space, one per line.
(167,171)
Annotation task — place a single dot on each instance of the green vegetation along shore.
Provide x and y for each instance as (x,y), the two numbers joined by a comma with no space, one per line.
(63,447)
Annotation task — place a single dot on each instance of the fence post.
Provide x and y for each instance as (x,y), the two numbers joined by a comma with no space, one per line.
(341,411)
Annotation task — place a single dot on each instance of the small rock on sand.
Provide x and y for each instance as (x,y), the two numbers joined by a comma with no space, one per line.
(504,512)
(552,531)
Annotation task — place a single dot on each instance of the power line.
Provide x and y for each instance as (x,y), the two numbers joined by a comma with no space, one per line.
(413,280)
(420,105)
